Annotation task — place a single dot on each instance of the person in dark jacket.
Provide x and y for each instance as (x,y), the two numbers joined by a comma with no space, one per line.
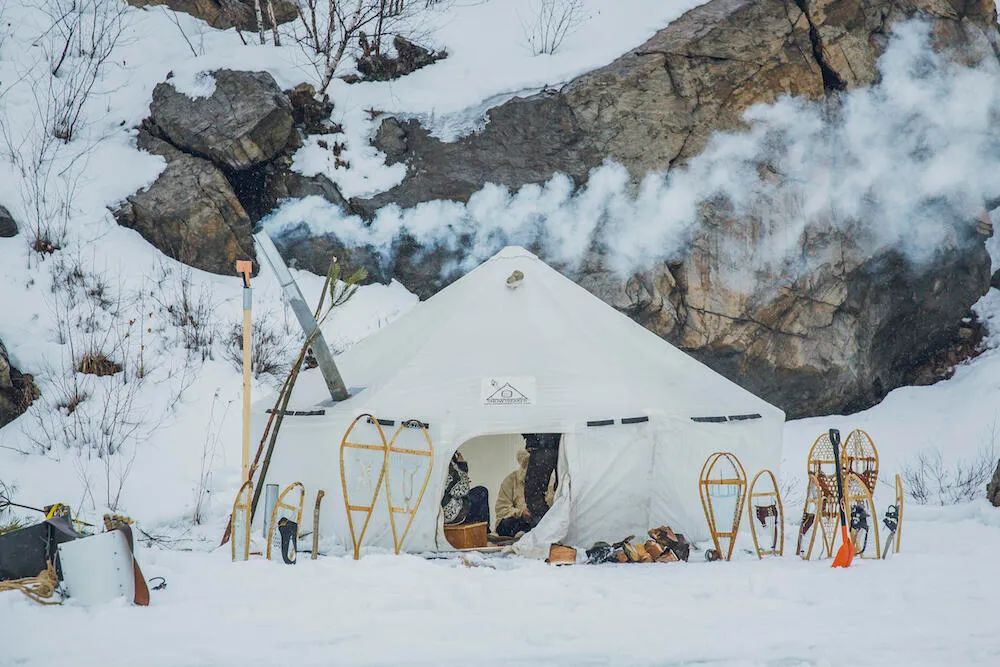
(462,503)
(543,456)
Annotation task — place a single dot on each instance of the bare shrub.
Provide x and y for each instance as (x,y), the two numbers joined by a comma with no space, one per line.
(189,309)
(930,482)
(86,410)
(48,179)
(329,30)
(271,348)
(793,493)
(551,23)
(210,447)
(77,45)
(97,363)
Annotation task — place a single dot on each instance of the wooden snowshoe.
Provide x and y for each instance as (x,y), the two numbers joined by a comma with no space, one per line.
(859,455)
(722,487)
(765,508)
(363,455)
(288,506)
(409,461)
(863,517)
(808,524)
(822,463)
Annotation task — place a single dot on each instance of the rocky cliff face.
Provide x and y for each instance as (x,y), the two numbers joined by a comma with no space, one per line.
(835,339)
(858,323)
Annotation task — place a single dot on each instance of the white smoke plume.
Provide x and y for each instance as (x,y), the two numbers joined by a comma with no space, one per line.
(897,165)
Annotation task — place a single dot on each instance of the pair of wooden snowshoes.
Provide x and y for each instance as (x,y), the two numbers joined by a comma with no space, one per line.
(821,511)
(724,491)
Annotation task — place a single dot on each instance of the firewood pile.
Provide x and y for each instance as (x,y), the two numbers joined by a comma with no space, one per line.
(663,546)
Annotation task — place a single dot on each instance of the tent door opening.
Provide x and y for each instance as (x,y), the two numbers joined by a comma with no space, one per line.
(495,472)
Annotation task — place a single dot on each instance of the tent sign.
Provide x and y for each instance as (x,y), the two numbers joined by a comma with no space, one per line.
(508,391)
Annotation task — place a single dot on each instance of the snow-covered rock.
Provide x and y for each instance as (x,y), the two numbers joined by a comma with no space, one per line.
(227,13)
(190,213)
(17,389)
(246,120)
(8,227)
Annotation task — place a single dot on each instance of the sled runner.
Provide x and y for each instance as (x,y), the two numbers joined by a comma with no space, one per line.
(860,456)
(240,541)
(722,487)
(287,507)
(863,516)
(362,469)
(409,460)
(765,508)
(315,547)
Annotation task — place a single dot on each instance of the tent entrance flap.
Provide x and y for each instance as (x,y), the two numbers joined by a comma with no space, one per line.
(494,492)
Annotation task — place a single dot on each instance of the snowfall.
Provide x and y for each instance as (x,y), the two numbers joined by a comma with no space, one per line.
(178,467)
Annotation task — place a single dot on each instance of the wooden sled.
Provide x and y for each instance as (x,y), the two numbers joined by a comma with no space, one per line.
(283,504)
(366,457)
(859,498)
(859,455)
(765,506)
(823,465)
(403,464)
(239,542)
(722,476)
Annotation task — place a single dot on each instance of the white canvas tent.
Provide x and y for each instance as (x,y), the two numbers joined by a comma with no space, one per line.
(482,361)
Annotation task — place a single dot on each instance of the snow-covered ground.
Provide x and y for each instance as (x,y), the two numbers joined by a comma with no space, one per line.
(933,604)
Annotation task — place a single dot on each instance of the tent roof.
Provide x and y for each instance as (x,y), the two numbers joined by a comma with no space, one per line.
(587,360)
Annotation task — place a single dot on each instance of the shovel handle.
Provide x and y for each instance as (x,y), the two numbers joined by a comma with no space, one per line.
(835,441)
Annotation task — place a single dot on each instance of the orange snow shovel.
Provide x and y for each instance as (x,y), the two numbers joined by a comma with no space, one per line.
(845,554)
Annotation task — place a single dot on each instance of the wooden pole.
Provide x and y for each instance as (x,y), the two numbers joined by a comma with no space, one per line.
(244,267)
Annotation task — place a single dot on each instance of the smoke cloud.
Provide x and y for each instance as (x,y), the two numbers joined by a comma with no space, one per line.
(898,165)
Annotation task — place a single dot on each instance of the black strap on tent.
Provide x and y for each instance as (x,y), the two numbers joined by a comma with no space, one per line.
(623,420)
(382,422)
(634,420)
(723,419)
(299,413)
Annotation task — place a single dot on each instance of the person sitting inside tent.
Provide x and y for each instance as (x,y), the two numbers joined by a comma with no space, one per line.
(543,450)
(512,513)
(462,503)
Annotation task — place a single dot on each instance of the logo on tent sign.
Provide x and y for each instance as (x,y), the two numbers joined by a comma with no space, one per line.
(508,391)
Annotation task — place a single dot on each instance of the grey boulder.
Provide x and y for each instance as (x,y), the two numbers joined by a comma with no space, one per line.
(245,122)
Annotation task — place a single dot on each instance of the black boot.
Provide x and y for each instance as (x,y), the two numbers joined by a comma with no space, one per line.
(289,531)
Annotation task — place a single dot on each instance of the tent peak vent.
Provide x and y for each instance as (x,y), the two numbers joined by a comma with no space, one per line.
(515,279)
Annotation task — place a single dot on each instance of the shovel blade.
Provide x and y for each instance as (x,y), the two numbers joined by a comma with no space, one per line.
(846,552)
